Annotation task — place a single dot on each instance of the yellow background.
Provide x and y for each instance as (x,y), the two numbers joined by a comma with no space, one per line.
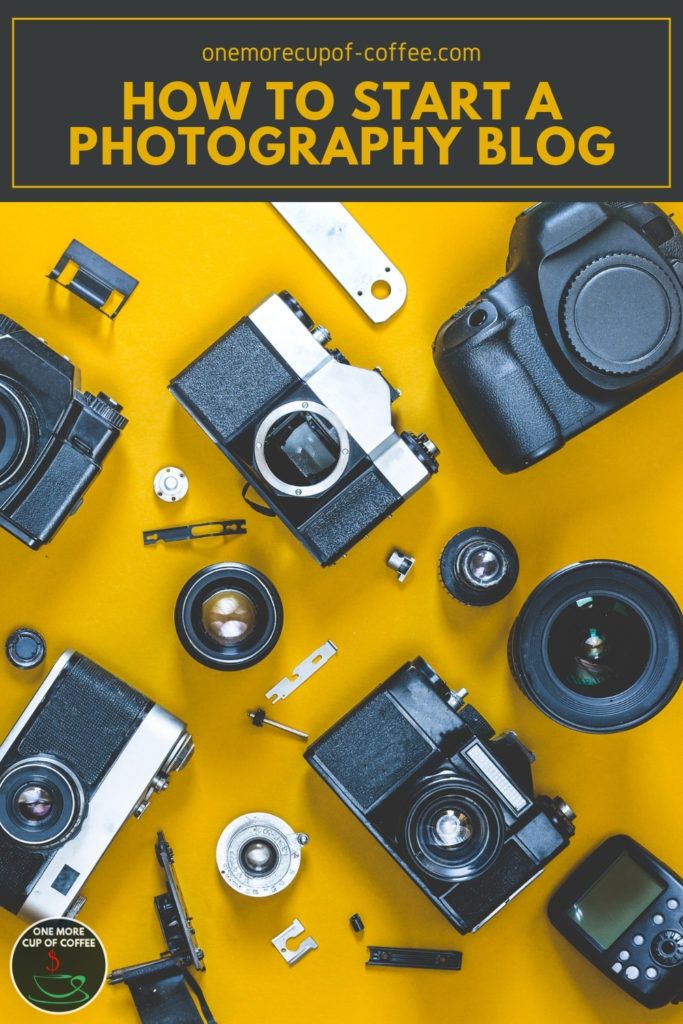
(614,492)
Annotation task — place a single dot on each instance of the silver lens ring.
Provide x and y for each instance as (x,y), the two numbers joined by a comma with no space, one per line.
(278,846)
(304,490)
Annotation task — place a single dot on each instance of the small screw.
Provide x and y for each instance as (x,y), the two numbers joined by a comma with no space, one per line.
(400,563)
(259,719)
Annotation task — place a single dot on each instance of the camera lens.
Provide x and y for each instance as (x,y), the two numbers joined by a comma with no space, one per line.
(478,566)
(597,646)
(41,802)
(228,616)
(301,449)
(35,803)
(258,857)
(454,829)
(16,433)
(259,854)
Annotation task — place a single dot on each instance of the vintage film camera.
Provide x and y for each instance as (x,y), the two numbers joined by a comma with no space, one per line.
(452,805)
(53,437)
(311,434)
(88,752)
(587,318)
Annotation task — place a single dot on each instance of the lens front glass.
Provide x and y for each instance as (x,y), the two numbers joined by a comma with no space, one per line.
(258,857)
(229,617)
(598,646)
(35,803)
(40,802)
(302,449)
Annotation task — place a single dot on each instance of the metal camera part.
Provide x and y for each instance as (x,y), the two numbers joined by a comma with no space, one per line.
(400,563)
(478,566)
(311,434)
(598,646)
(25,648)
(450,801)
(228,616)
(259,854)
(109,747)
(171,484)
(54,438)
(281,943)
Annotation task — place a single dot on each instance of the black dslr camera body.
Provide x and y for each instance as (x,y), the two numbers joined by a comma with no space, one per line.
(451,804)
(53,438)
(87,752)
(587,318)
(310,433)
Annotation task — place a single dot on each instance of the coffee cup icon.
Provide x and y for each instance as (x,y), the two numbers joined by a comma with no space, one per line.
(65,989)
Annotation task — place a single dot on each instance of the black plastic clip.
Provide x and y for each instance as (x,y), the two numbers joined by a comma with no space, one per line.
(93,279)
(397,956)
(195,531)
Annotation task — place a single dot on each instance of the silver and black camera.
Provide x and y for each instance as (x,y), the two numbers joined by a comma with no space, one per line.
(452,804)
(310,433)
(88,752)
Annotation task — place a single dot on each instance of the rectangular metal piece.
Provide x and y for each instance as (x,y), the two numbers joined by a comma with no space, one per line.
(430,959)
(94,279)
(302,672)
(195,531)
(291,956)
(350,255)
(495,776)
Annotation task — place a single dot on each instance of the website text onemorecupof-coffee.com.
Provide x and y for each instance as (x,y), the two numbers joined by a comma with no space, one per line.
(389,53)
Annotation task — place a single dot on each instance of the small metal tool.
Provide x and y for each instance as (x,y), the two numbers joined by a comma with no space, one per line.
(400,563)
(92,278)
(308,667)
(195,531)
(280,941)
(397,956)
(171,484)
(348,252)
(259,719)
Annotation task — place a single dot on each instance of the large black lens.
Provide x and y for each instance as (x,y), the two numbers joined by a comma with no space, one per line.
(453,829)
(41,802)
(16,432)
(597,646)
(228,616)
(302,449)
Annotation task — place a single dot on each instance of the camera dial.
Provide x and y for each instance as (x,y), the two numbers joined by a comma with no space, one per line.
(228,616)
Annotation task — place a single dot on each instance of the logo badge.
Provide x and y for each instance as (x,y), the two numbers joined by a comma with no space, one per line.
(58,965)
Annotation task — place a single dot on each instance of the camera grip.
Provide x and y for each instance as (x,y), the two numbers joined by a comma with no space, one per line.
(500,401)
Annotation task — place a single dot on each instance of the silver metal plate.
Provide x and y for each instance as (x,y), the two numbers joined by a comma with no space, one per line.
(350,255)
(305,946)
(302,672)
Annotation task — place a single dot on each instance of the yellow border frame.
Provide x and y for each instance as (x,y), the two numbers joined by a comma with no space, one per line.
(342,187)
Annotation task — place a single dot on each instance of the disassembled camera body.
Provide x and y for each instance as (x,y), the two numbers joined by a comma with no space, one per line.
(311,434)
(622,908)
(587,318)
(258,854)
(88,752)
(161,988)
(53,437)
(452,805)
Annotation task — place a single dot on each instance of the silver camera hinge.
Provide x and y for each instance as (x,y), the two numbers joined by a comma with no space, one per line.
(345,248)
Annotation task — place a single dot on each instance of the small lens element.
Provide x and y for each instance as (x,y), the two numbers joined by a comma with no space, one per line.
(229,617)
(258,857)
(483,565)
(34,803)
(453,828)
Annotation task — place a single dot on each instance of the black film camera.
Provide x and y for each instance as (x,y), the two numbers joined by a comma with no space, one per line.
(587,318)
(311,434)
(452,805)
(88,752)
(53,438)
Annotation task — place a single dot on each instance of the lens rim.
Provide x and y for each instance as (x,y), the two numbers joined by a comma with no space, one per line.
(301,490)
(228,576)
(661,677)
(57,778)
(16,413)
(449,788)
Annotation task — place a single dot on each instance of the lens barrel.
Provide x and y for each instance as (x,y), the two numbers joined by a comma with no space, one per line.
(228,616)
(597,646)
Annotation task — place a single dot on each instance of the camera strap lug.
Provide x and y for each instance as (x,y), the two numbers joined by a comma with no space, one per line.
(345,248)
(308,667)
(92,278)
(398,956)
(292,956)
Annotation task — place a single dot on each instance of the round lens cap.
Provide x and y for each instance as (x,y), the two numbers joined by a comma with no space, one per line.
(621,313)
(25,648)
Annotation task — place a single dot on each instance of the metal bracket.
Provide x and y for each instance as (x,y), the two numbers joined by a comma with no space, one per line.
(398,956)
(292,956)
(94,279)
(195,531)
(308,667)
(345,248)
